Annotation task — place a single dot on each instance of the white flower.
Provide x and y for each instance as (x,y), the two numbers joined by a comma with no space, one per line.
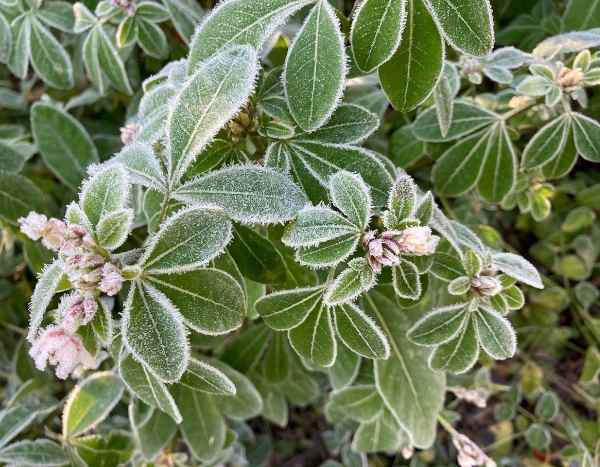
(469,454)
(111,281)
(487,286)
(55,346)
(33,225)
(418,241)
(76,310)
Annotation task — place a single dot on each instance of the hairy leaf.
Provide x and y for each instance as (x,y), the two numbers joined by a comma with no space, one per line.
(314,338)
(351,196)
(287,309)
(496,334)
(104,193)
(360,333)
(459,354)
(439,326)
(200,376)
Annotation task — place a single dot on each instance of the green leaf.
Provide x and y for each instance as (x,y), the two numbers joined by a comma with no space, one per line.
(286,309)
(18,60)
(382,434)
(152,429)
(104,193)
(49,58)
(111,64)
(5,39)
(349,124)
(548,143)
(447,267)
(64,143)
(152,39)
(356,279)
(113,229)
(581,15)
(57,14)
(410,390)
(317,51)
(41,452)
(351,196)
(11,160)
(257,257)
(412,73)
(443,97)
(376,32)
(153,332)
(405,148)
(314,338)
(459,354)
(345,369)
(19,196)
(13,420)
(214,94)
(248,194)
(496,334)
(564,162)
(319,161)
(328,253)
(467,26)
(185,14)
(187,241)
(514,297)
(360,403)
(90,402)
(246,403)
(401,202)
(200,376)
(407,281)
(315,225)
(439,326)
(472,263)
(249,22)
(518,268)
(45,288)
(587,137)
(360,333)
(203,427)
(276,364)
(147,387)
(209,300)
(499,171)
(459,168)
(466,119)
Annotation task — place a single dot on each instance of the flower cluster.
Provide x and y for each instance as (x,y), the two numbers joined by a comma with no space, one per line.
(90,273)
(469,454)
(386,248)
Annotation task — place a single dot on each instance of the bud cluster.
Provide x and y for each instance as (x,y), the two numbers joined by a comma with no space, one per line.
(469,454)
(486,284)
(386,248)
(90,273)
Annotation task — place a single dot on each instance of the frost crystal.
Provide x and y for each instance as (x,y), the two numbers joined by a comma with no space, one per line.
(469,454)
(61,349)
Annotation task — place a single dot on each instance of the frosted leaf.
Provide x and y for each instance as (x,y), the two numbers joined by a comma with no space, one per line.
(316,225)
(360,333)
(153,112)
(586,132)
(248,194)
(246,403)
(439,326)
(351,195)
(314,339)
(211,97)
(239,22)
(569,42)
(547,143)
(315,68)
(278,156)
(142,165)
(154,333)
(360,403)
(459,354)
(401,201)
(518,268)
(113,229)
(328,253)
(200,376)
(74,215)
(49,58)
(287,309)
(356,279)
(407,281)
(187,241)
(45,289)
(496,335)
(105,192)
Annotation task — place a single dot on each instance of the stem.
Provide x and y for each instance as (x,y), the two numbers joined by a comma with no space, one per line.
(447,426)
(165,204)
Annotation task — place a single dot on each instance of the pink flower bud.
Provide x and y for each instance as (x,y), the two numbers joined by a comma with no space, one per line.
(487,286)
(76,310)
(53,235)
(469,454)
(33,225)
(418,241)
(57,347)
(112,280)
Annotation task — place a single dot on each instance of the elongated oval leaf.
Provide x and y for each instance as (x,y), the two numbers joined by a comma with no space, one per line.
(148,387)
(187,241)
(248,194)
(587,137)
(376,32)
(349,124)
(548,143)
(407,281)
(411,391)
(316,225)
(459,354)
(142,165)
(207,101)
(90,402)
(439,326)
(20,52)
(287,309)
(360,333)
(467,26)
(360,403)
(210,301)
(18,196)
(499,171)
(200,376)
(104,193)
(65,144)
(314,338)
(329,253)
(518,268)
(45,289)
(246,402)
(110,63)
(5,39)
(351,283)
(317,51)
(351,196)
(49,58)
(42,452)
(410,76)
(496,335)
(153,332)
(246,22)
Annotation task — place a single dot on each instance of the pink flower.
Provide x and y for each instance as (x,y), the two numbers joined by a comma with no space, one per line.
(469,454)
(382,251)
(55,346)
(53,234)
(487,286)
(418,241)
(76,310)
(33,225)
(111,281)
